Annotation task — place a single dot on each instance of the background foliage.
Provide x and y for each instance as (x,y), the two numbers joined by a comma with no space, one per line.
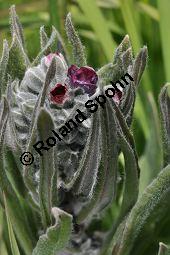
(102,24)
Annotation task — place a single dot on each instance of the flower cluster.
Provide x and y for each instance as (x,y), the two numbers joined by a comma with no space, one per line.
(78,178)
(84,77)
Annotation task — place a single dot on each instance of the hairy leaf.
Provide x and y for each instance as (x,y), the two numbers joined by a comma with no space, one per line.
(16,27)
(164,100)
(13,243)
(57,236)
(4,182)
(18,60)
(152,196)
(29,170)
(47,167)
(3,66)
(78,48)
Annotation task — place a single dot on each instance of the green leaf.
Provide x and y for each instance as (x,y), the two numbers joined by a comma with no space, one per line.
(151,160)
(47,168)
(78,48)
(164,101)
(44,40)
(104,190)
(86,176)
(48,46)
(18,60)
(4,182)
(21,225)
(163,7)
(13,243)
(13,171)
(29,170)
(131,171)
(16,28)
(57,236)
(100,26)
(131,183)
(14,208)
(3,66)
(123,46)
(152,196)
(139,65)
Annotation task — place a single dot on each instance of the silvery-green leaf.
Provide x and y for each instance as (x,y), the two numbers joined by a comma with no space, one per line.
(124,45)
(151,160)
(43,93)
(131,183)
(110,72)
(61,47)
(131,171)
(15,210)
(16,27)
(164,101)
(152,196)
(104,190)
(88,166)
(139,65)
(18,60)
(44,40)
(29,171)
(57,236)
(51,41)
(109,156)
(78,48)
(128,103)
(4,182)
(3,66)
(127,59)
(47,168)
(124,128)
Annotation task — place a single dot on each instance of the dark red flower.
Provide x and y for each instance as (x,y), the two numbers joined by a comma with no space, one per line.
(58,94)
(84,77)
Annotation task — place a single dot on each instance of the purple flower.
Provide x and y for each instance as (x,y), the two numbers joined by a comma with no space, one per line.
(84,77)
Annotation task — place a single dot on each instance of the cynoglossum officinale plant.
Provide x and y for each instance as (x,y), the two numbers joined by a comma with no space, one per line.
(54,202)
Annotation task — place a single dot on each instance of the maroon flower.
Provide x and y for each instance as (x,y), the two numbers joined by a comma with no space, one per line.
(58,94)
(84,77)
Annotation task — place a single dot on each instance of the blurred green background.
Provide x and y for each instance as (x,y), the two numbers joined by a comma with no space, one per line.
(102,24)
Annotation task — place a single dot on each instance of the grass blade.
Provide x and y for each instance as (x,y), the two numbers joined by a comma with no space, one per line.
(151,11)
(100,26)
(164,6)
(13,243)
